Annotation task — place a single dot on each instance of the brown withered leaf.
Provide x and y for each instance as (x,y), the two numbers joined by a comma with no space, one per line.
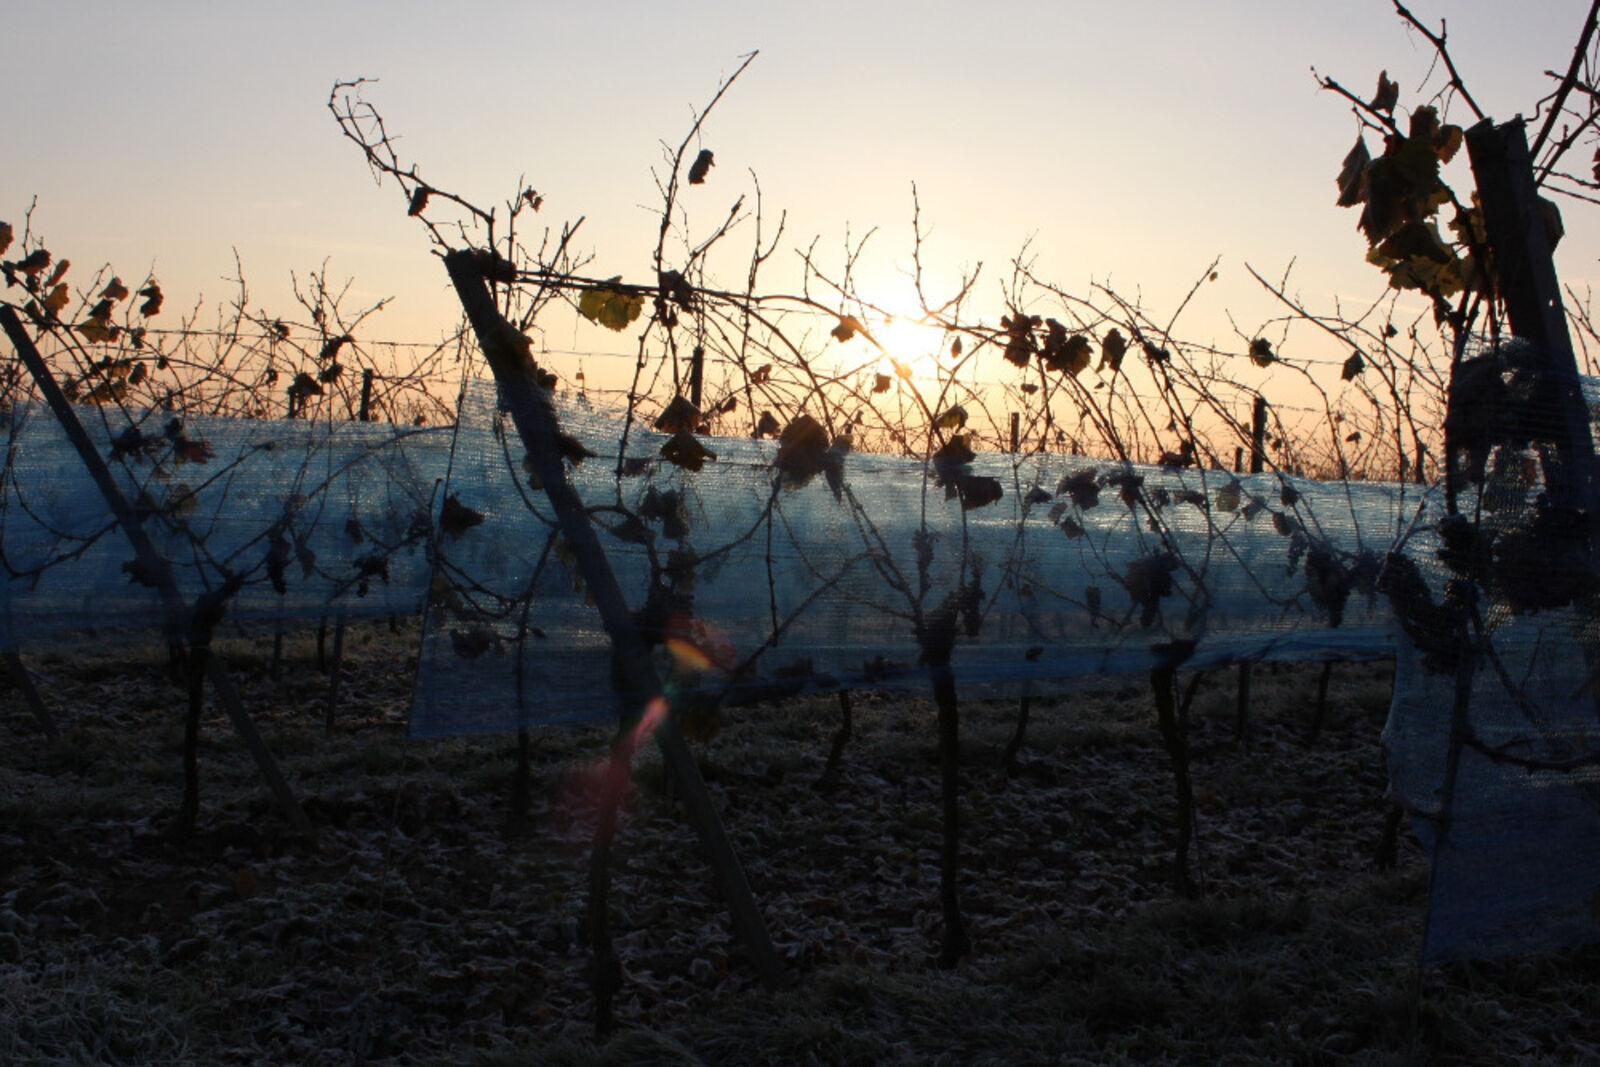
(679,414)
(802,451)
(701,167)
(456,518)
(683,449)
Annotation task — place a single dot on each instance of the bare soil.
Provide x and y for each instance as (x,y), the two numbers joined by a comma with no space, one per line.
(418,925)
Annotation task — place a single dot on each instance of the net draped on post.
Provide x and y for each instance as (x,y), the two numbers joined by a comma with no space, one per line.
(1493,739)
(778,567)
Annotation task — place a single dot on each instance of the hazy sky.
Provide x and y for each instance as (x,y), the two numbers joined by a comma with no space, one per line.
(1130,141)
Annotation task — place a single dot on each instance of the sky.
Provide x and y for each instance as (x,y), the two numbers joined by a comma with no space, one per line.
(1128,143)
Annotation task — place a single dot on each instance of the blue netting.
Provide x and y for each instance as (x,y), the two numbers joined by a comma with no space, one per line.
(318,519)
(764,586)
(1493,739)
(1081,567)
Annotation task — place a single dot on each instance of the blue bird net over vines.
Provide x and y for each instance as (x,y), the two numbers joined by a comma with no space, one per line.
(314,519)
(759,568)
(781,566)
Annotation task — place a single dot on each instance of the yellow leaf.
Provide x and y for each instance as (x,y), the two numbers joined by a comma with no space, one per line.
(57,300)
(954,419)
(97,331)
(610,306)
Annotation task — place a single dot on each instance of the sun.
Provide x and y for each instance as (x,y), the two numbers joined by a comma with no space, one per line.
(911,340)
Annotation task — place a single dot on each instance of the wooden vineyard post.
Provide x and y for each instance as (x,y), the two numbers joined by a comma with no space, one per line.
(1258,463)
(1510,889)
(1527,284)
(535,421)
(152,564)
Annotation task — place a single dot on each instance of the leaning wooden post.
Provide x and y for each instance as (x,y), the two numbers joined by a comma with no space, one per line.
(506,351)
(1525,279)
(151,563)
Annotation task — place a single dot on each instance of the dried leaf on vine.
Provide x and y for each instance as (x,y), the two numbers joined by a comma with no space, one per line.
(1415,257)
(97,330)
(56,301)
(1352,174)
(767,425)
(1113,346)
(330,347)
(7,235)
(34,262)
(303,386)
(456,518)
(1261,352)
(188,451)
(419,201)
(679,414)
(881,383)
(954,419)
(684,450)
(152,300)
(1353,366)
(1388,94)
(470,644)
(802,451)
(1083,487)
(847,328)
(57,274)
(955,452)
(1554,229)
(701,167)
(672,286)
(1148,581)
(1228,495)
(978,490)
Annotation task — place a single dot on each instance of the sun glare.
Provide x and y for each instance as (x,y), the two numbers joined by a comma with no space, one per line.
(914,343)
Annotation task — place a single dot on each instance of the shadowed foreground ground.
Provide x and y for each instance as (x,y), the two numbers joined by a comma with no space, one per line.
(414,929)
